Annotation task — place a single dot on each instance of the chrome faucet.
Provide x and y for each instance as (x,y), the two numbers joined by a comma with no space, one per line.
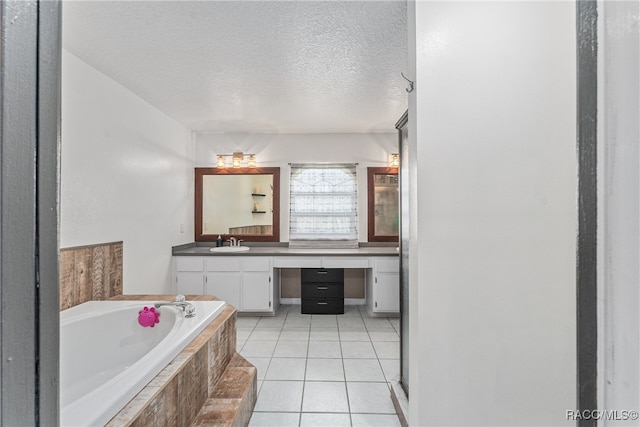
(235,242)
(188,309)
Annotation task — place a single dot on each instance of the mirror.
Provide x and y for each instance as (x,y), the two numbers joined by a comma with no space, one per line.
(383,204)
(239,202)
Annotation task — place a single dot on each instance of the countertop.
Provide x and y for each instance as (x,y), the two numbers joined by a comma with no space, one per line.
(286,251)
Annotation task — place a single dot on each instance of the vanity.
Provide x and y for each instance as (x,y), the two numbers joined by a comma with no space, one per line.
(250,280)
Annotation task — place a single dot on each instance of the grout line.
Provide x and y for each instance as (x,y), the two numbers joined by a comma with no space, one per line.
(304,377)
(304,381)
(345,371)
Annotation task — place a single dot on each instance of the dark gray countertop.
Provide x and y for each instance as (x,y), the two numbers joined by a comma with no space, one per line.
(286,251)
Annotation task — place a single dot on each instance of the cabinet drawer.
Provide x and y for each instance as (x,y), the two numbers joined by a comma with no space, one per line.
(350,262)
(223,264)
(322,306)
(323,290)
(256,264)
(388,265)
(189,264)
(297,262)
(322,275)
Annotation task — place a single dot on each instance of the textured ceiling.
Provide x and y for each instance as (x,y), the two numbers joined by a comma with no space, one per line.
(252,66)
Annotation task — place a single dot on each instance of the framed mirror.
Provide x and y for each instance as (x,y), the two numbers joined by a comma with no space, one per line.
(383,204)
(237,202)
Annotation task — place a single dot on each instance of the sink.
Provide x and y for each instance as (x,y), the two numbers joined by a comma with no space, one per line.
(230,249)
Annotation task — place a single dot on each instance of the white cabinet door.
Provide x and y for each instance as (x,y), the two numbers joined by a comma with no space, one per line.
(225,286)
(190,282)
(386,292)
(256,291)
(385,286)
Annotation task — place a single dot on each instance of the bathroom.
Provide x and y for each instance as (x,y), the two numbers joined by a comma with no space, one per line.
(491,331)
(134,130)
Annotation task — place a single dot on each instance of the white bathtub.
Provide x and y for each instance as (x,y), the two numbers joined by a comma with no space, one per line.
(106,357)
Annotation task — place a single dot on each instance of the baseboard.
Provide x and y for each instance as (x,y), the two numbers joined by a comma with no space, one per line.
(400,402)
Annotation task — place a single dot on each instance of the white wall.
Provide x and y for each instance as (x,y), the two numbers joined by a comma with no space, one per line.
(492,123)
(126,173)
(278,150)
(618,210)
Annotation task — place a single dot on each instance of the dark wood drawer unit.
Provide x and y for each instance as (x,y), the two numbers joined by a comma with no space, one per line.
(322,275)
(322,291)
(322,306)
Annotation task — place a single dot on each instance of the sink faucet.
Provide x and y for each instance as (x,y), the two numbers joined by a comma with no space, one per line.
(232,241)
(188,308)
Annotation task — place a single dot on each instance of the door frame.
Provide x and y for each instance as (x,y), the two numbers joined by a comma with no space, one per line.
(29,191)
(29,200)
(586,255)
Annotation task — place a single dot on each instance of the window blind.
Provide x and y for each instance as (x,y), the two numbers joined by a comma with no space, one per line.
(324,205)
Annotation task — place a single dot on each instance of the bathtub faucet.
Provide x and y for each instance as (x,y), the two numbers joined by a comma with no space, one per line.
(188,309)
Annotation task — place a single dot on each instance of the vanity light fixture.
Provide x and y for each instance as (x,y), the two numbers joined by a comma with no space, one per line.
(237,158)
(220,163)
(394,160)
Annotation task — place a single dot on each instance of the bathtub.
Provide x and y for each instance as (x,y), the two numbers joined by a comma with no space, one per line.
(106,357)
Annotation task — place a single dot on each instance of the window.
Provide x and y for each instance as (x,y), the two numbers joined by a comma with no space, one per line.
(324,204)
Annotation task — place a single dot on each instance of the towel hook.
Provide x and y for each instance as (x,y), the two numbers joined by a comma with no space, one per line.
(410,89)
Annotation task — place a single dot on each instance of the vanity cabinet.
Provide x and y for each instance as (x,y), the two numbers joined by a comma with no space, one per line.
(225,286)
(251,283)
(383,287)
(189,275)
(190,283)
(244,282)
(257,286)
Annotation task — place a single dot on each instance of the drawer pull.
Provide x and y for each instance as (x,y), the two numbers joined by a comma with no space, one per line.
(323,303)
(323,288)
(323,272)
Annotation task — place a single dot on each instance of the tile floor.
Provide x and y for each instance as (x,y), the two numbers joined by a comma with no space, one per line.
(322,370)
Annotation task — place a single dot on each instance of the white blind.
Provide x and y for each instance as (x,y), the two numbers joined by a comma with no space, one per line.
(324,203)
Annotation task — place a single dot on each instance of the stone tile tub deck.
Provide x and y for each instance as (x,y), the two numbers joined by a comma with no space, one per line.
(207,384)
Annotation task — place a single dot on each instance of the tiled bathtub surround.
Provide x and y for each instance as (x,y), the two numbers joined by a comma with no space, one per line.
(232,401)
(207,384)
(90,273)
